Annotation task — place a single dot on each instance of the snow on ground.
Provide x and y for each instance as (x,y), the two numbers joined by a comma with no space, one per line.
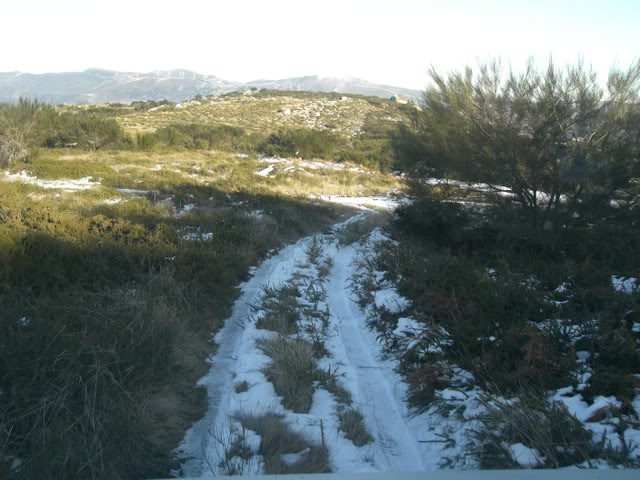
(624,284)
(500,190)
(593,415)
(237,359)
(403,439)
(66,185)
(384,202)
(389,299)
(265,171)
(186,208)
(134,191)
(198,236)
(376,389)
(312,164)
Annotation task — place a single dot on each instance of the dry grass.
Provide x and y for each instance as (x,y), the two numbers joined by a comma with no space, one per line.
(558,438)
(291,371)
(241,387)
(352,424)
(278,439)
(329,381)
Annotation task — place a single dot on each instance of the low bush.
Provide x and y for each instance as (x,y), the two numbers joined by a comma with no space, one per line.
(81,130)
(556,438)
(279,308)
(440,222)
(301,143)
(203,137)
(423,382)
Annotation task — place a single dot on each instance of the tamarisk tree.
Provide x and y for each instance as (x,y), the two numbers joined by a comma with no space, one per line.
(557,141)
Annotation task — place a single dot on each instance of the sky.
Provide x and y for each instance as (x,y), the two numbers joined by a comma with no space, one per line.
(383,41)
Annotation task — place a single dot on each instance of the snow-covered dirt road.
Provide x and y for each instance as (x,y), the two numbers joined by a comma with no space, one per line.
(351,349)
(395,446)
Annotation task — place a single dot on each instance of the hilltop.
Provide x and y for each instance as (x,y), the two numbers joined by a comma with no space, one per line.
(262,111)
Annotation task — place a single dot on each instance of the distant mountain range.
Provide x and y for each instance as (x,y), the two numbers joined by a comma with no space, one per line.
(98,86)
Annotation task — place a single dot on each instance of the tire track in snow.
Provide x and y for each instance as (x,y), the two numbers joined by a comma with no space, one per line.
(218,381)
(395,447)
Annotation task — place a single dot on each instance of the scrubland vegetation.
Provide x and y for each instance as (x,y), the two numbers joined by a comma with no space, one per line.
(522,225)
(513,261)
(110,293)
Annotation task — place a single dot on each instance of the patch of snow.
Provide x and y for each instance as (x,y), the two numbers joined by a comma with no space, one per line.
(24,321)
(376,388)
(580,409)
(525,456)
(198,237)
(134,191)
(391,300)
(186,208)
(380,202)
(265,171)
(406,325)
(291,458)
(626,285)
(312,164)
(66,185)
(583,356)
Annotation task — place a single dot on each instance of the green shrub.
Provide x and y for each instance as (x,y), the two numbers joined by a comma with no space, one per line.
(440,222)
(202,137)
(607,380)
(488,319)
(84,130)
(301,143)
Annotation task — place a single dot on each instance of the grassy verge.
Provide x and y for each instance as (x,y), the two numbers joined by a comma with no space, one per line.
(107,306)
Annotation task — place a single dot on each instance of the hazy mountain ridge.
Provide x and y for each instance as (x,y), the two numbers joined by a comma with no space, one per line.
(98,85)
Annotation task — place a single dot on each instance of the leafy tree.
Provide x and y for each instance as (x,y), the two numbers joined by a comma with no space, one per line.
(555,140)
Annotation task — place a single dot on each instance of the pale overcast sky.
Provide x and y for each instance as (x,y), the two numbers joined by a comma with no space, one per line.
(385,41)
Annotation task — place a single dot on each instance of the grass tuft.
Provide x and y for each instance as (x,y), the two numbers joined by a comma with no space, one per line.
(291,371)
(352,424)
(278,439)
